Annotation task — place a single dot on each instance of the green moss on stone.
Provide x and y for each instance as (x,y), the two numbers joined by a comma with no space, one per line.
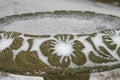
(64,37)
(17,42)
(109,42)
(97,59)
(72,77)
(45,47)
(6,59)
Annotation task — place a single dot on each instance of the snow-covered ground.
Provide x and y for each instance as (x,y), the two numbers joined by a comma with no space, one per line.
(10,7)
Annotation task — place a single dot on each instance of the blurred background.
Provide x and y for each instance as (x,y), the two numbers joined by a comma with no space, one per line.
(11,7)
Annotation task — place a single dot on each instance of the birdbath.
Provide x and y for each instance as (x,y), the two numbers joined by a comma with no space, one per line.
(60,45)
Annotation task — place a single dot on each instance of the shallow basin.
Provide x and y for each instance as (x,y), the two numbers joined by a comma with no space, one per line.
(59,44)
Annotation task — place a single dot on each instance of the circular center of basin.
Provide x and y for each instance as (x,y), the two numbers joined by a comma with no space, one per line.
(63,49)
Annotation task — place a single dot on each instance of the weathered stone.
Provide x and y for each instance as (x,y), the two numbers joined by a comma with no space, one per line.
(97,59)
(109,42)
(16,44)
(46,46)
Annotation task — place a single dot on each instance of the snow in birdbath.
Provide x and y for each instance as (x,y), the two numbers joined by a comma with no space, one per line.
(62,26)
(62,22)
(4,43)
(63,49)
(53,24)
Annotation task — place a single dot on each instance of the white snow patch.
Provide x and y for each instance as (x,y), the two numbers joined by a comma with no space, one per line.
(51,25)
(10,7)
(4,43)
(24,47)
(63,49)
(36,47)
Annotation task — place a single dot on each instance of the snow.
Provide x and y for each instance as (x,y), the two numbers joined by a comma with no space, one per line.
(23,47)
(70,24)
(4,43)
(63,49)
(35,47)
(16,77)
(10,7)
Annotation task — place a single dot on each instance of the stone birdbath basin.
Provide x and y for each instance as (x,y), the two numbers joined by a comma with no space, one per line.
(60,45)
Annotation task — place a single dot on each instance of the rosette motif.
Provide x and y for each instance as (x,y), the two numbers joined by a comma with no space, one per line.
(8,42)
(63,50)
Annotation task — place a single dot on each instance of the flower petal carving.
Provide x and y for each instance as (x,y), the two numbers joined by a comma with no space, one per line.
(17,42)
(97,59)
(46,47)
(109,42)
(79,57)
(59,58)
